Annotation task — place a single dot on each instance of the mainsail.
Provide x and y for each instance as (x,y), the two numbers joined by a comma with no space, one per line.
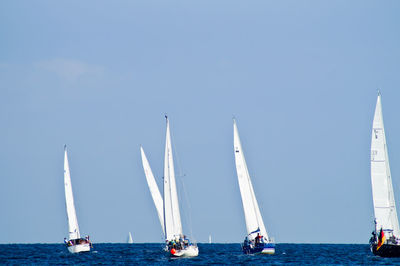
(172,217)
(155,192)
(382,188)
(73,227)
(254,221)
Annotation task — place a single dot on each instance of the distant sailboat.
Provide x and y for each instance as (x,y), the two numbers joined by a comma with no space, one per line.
(257,240)
(74,243)
(385,239)
(176,243)
(129,240)
(209,239)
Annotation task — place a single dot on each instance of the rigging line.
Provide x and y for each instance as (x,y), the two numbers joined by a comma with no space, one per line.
(188,214)
(178,162)
(253,199)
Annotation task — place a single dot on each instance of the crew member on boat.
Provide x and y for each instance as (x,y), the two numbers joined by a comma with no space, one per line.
(179,243)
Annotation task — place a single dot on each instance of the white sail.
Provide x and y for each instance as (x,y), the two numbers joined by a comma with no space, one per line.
(73,227)
(130,240)
(382,188)
(172,217)
(252,213)
(155,192)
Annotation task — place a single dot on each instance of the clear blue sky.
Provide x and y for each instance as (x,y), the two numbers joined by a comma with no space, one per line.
(299,76)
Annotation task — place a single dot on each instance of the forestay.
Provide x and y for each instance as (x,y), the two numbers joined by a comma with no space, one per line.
(252,213)
(382,188)
(73,227)
(155,192)
(172,217)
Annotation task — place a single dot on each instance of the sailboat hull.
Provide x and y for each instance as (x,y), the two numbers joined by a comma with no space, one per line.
(78,245)
(265,248)
(190,251)
(79,248)
(386,250)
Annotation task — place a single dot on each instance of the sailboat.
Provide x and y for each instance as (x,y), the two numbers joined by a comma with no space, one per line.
(129,240)
(75,243)
(209,239)
(257,240)
(385,239)
(168,207)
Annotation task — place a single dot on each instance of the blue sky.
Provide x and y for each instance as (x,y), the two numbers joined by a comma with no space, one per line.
(299,76)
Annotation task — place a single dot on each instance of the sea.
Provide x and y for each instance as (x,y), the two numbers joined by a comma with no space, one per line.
(217,254)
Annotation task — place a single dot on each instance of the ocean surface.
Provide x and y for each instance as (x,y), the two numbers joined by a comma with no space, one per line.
(152,254)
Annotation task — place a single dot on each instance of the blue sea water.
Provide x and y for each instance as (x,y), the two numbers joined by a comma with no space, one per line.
(152,254)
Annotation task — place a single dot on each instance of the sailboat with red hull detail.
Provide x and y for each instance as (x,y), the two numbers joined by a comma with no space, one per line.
(385,240)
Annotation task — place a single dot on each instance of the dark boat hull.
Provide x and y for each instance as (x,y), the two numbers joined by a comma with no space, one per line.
(265,248)
(386,250)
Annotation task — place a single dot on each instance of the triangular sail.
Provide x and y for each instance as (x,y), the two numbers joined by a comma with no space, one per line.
(155,192)
(254,221)
(73,227)
(129,240)
(172,217)
(382,188)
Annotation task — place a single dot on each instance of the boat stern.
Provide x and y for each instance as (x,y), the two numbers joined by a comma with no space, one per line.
(79,248)
(190,251)
(78,245)
(266,248)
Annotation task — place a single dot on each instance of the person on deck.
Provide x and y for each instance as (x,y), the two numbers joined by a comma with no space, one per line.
(181,243)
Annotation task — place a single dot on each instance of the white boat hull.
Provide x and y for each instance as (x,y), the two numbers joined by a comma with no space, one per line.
(79,248)
(269,251)
(190,251)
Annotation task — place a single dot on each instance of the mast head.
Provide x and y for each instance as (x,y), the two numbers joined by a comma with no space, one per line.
(166,117)
(65,147)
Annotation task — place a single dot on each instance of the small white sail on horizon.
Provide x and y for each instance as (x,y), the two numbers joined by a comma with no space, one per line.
(130,239)
(381,179)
